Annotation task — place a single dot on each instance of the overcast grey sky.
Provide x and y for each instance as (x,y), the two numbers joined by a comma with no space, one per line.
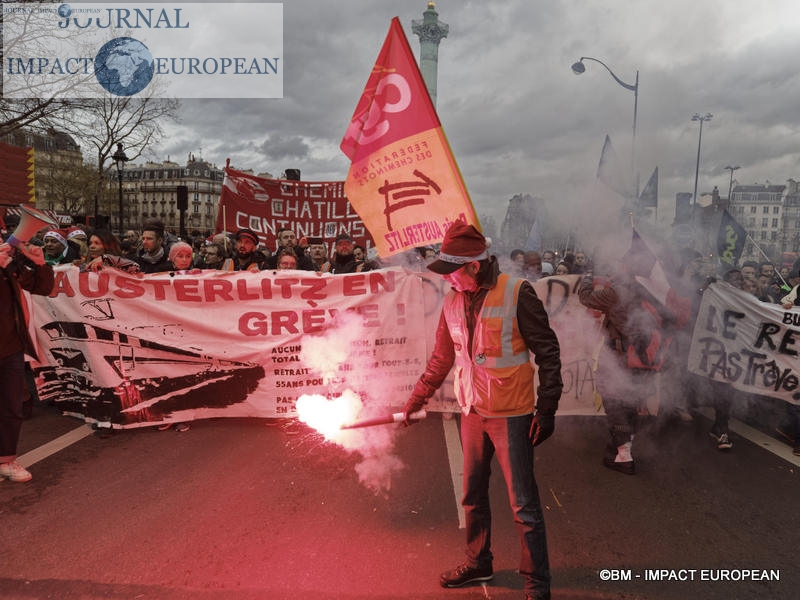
(517,118)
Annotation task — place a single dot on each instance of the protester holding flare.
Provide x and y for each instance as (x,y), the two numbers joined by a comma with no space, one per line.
(490,324)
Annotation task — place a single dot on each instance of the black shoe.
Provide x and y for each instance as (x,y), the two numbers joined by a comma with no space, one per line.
(464,574)
(722,440)
(626,467)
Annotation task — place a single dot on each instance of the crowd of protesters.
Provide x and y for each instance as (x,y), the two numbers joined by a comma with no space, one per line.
(155,250)
(152,250)
(623,386)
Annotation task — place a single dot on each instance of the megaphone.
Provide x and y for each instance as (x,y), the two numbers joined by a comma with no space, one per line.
(30,222)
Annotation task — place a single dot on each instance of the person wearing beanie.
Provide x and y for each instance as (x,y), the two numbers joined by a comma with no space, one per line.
(247,256)
(491,324)
(343,259)
(57,250)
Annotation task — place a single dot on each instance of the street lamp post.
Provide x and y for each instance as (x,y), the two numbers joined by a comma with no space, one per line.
(579,68)
(730,185)
(120,158)
(697,117)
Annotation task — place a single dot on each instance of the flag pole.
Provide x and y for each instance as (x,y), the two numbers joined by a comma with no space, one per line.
(769,260)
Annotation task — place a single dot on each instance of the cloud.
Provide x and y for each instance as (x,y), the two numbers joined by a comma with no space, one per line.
(518,120)
(278,147)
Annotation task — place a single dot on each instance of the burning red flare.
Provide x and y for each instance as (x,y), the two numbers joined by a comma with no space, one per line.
(327,416)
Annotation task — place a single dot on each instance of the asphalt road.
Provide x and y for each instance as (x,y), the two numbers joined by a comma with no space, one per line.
(235,508)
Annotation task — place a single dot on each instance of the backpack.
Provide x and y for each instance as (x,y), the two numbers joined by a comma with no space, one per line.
(646,332)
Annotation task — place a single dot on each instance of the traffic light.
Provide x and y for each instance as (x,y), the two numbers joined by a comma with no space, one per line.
(183,198)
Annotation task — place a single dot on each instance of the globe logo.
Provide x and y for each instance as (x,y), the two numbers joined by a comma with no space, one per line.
(124,66)
(64,10)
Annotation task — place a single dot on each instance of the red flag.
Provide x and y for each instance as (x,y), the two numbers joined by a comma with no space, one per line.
(403,179)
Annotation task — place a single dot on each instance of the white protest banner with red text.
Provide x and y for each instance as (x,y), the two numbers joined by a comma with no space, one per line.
(308,208)
(133,350)
(137,350)
(403,179)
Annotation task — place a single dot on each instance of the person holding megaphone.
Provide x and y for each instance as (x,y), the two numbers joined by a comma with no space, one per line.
(22,267)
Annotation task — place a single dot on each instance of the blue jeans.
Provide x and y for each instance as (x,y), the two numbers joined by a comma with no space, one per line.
(12,393)
(481,439)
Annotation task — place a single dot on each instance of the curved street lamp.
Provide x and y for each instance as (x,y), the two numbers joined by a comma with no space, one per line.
(578,68)
(697,117)
(120,158)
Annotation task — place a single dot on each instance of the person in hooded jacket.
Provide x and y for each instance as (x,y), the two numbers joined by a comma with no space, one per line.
(491,324)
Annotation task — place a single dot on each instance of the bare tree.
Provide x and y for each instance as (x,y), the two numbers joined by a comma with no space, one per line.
(24,103)
(68,190)
(135,122)
(35,113)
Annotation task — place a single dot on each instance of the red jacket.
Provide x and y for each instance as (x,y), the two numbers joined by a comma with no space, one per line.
(20,274)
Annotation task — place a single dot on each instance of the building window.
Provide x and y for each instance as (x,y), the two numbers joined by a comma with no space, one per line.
(765,210)
(753,210)
(763,235)
(764,222)
(774,222)
(776,210)
(773,236)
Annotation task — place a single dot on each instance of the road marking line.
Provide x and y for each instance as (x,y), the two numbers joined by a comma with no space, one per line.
(53,446)
(456,459)
(770,444)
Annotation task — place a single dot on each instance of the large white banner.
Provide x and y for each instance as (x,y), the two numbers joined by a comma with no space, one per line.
(749,344)
(138,349)
(133,350)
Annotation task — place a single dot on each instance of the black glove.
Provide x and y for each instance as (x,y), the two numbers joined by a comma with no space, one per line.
(415,404)
(542,427)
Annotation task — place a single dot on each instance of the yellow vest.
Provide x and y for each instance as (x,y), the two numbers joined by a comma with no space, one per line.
(497,379)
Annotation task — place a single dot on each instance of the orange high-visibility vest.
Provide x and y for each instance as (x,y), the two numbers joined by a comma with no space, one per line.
(497,377)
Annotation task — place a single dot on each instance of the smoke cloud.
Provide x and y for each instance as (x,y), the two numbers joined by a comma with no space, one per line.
(355,387)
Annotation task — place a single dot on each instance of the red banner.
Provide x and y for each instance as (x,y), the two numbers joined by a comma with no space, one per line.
(403,180)
(309,208)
